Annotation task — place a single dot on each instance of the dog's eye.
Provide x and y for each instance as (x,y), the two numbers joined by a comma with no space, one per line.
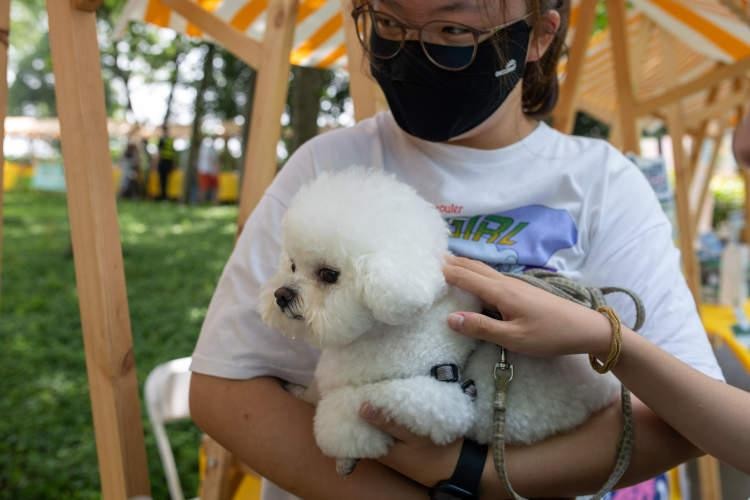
(294,266)
(328,275)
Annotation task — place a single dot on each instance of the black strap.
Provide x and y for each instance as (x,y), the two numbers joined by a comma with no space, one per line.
(468,472)
(445,373)
(470,389)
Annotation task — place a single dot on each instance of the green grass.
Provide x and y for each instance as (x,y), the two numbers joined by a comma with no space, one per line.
(173,258)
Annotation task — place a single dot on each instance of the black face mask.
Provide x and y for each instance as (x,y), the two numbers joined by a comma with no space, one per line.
(436,104)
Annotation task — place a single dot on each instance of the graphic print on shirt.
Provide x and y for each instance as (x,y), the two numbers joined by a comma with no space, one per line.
(511,241)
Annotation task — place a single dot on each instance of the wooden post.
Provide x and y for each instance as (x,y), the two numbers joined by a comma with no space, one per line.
(700,137)
(269,99)
(626,101)
(703,194)
(4,32)
(98,255)
(223,476)
(709,476)
(564,116)
(708,467)
(361,87)
(690,263)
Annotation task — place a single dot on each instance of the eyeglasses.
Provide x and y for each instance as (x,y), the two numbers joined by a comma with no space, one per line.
(439,39)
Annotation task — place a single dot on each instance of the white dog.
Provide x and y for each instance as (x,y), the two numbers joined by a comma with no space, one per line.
(360,276)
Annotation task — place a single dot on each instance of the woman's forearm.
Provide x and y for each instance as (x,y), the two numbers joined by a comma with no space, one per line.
(714,416)
(271,431)
(579,462)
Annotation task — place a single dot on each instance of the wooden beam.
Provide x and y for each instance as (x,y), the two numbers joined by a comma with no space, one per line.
(4,32)
(236,42)
(682,199)
(223,474)
(708,468)
(564,115)
(711,78)
(95,235)
(700,137)
(710,170)
(362,87)
(721,108)
(269,100)
(626,100)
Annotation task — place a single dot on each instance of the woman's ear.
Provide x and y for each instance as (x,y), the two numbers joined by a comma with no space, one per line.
(543,37)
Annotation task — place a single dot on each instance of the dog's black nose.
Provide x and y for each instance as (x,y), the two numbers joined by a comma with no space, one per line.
(284,296)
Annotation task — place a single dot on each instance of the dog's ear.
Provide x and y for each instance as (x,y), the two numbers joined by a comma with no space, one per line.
(396,288)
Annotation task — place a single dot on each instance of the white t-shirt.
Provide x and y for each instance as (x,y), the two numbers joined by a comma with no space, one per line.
(569,204)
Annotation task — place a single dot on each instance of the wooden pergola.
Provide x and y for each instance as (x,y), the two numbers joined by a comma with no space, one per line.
(639,71)
(658,76)
(93,214)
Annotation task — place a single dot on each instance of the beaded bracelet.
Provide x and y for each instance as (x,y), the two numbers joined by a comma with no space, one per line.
(615,348)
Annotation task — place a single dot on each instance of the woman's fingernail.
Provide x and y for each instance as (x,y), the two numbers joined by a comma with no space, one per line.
(456,321)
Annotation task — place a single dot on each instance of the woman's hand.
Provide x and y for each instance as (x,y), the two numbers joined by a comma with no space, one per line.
(535,322)
(416,457)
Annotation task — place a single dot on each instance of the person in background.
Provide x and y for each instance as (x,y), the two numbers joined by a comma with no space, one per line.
(131,180)
(208,171)
(167,156)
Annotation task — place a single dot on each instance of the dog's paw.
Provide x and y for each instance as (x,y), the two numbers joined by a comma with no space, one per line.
(427,407)
(339,430)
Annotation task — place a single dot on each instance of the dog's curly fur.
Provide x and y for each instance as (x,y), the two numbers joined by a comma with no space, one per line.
(360,277)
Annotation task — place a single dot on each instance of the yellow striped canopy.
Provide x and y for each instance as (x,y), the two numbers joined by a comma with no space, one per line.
(671,42)
(708,27)
(319,37)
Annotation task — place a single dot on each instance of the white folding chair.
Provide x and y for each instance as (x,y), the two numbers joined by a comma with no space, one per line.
(166,394)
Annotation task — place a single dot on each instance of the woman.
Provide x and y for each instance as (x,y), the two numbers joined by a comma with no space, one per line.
(467,82)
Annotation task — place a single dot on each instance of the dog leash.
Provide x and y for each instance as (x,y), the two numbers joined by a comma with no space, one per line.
(593,298)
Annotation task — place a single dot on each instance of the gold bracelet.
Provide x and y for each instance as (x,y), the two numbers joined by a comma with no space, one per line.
(615,348)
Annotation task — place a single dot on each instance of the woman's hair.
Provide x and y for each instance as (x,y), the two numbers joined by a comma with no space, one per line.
(540,83)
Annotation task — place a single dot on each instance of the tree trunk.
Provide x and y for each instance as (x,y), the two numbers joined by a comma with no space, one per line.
(173,81)
(191,170)
(304,105)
